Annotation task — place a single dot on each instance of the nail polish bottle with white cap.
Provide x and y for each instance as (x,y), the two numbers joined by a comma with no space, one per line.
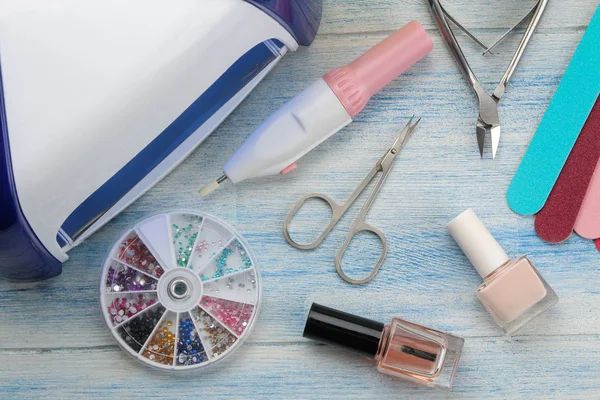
(513,291)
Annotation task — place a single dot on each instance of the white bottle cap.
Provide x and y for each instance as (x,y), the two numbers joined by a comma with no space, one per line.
(477,243)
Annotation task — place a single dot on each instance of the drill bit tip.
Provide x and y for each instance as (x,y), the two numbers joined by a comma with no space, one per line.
(212,186)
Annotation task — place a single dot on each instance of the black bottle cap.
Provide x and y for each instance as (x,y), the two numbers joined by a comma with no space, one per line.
(360,335)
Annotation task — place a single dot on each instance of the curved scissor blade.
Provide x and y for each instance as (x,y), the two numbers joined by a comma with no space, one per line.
(388,158)
(404,135)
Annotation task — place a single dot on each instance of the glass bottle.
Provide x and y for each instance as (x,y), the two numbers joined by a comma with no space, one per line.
(513,291)
(401,349)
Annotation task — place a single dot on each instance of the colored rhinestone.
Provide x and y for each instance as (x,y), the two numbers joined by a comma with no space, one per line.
(202,246)
(123,308)
(184,239)
(134,252)
(212,332)
(161,347)
(240,287)
(232,314)
(136,331)
(121,278)
(223,264)
(189,347)
(158,335)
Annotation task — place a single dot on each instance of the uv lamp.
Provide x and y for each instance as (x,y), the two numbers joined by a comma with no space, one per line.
(101,99)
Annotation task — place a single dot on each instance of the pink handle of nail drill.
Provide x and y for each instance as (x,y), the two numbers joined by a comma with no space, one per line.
(355,83)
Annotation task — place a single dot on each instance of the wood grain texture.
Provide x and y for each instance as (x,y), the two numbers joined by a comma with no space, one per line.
(53,341)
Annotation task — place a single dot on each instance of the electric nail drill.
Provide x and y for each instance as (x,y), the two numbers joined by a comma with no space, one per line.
(323,108)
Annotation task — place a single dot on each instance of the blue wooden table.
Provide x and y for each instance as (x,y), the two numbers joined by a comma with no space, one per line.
(54,343)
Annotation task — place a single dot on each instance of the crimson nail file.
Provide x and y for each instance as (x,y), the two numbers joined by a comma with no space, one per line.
(555,222)
(322,109)
(560,126)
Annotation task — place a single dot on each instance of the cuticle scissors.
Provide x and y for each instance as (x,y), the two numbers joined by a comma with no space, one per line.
(384,165)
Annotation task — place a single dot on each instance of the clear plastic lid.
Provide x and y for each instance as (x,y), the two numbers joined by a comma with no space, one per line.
(180,290)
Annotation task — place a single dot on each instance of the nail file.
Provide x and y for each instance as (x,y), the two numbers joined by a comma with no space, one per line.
(560,126)
(555,222)
(588,220)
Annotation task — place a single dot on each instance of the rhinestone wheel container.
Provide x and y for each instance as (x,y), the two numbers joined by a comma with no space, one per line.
(180,290)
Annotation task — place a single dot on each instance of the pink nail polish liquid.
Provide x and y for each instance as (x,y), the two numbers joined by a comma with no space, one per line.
(401,349)
(513,291)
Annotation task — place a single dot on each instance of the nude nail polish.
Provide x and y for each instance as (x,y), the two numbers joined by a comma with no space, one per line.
(513,291)
(401,349)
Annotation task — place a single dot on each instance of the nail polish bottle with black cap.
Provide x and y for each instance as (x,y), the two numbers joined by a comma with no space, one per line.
(400,348)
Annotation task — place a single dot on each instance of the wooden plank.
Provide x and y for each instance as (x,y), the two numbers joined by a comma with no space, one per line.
(57,325)
(363,16)
(420,249)
(548,368)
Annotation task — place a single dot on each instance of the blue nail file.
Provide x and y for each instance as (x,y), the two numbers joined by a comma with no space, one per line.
(560,126)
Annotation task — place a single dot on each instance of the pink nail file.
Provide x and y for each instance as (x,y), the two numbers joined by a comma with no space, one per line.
(556,220)
(588,219)
(323,108)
